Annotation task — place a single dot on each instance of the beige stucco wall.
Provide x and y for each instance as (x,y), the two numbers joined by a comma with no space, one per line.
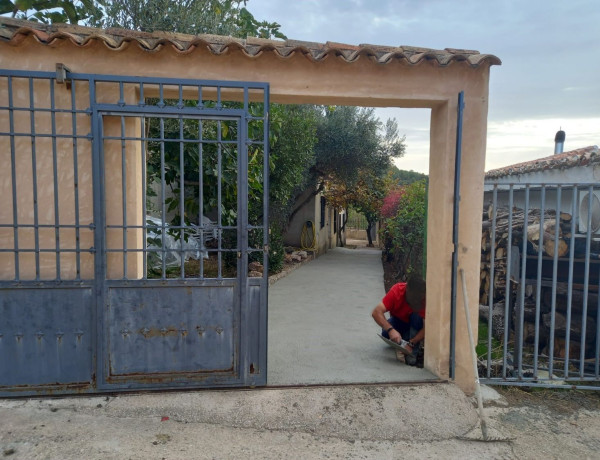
(311,211)
(334,81)
(35,164)
(35,167)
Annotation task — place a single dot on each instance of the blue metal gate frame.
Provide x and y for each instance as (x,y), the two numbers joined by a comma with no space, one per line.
(85,334)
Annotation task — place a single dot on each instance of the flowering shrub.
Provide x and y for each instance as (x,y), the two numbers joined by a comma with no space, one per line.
(403,233)
(389,208)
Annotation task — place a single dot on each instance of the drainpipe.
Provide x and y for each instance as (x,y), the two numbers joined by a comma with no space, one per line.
(559,142)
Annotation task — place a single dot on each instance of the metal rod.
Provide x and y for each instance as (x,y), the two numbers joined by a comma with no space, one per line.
(597,364)
(219,202)
(539,280)
(13,162)
(124,192)
(34,180)
(521,320)
(76,179)
(162,194)
(507,289)
(455,222)
(265,223)
(55,178)
(142,101)
(492,276)
(181,195)
(570,282)
(586,281)
(121,101)
(144,192)
(554,280)
(201,185)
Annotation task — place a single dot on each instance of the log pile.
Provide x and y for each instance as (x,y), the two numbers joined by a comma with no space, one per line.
(515,225)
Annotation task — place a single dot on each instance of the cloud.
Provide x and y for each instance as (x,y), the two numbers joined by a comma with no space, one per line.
(549,49)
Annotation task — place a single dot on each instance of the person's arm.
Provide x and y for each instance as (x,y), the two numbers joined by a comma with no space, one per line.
(379,317)
(418,337)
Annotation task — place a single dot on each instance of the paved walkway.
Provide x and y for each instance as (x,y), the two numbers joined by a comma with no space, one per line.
(320,325)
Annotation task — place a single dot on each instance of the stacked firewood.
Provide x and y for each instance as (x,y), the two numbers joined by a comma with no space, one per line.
(498,249)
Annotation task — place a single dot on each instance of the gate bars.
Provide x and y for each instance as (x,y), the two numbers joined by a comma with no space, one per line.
(59,255)
(539,285)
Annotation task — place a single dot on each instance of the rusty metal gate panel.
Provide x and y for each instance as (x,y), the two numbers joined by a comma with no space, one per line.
(539,301)
(137,207)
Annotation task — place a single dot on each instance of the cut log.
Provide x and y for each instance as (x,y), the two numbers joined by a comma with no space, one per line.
(576,300)
(560,349)
(560,326)
(549,247)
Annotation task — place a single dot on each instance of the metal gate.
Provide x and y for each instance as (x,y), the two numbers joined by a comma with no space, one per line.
(539,302)
(132,211)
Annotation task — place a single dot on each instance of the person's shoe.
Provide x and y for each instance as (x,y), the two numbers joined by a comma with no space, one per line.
(421,358)
(411,359)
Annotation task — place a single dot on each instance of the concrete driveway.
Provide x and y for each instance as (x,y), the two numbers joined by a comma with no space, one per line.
(320,325)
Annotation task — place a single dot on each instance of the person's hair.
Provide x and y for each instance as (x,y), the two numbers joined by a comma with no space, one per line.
(415,292)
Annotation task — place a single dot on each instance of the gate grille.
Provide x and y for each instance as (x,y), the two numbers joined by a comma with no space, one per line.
(539,286)
(125,244)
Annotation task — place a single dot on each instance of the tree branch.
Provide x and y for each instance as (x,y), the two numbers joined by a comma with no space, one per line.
(315,192)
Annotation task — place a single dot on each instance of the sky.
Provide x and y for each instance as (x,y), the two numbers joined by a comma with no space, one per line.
(549,78)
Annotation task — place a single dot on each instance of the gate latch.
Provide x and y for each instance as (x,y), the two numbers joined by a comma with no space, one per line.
(62,72)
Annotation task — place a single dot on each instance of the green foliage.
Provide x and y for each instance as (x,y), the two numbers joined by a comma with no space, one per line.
(51,11)
(404,234)
(354,152)
(220,17)
(403,177)
(293,139)
(352,139)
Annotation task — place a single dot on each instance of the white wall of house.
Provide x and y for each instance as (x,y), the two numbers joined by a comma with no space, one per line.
(576,182)
(324,223)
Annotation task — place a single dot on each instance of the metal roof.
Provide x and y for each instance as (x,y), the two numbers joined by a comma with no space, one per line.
(580,157)
(15,31)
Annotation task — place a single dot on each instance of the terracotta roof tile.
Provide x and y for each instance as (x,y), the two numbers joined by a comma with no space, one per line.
(14,31)
(580,157)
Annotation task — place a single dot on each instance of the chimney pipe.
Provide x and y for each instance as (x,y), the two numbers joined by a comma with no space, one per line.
(559,142)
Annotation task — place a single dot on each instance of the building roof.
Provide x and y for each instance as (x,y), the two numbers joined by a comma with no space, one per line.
(566,160)
(14,31)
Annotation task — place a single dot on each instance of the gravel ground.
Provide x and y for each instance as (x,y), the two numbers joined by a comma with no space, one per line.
(339,422)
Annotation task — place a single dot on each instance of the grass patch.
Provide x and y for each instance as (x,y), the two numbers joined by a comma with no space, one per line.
(482,343)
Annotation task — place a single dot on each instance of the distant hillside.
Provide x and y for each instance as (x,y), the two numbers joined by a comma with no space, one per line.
(403,177)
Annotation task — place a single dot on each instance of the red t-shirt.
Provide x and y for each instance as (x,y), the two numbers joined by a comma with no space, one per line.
(395,302)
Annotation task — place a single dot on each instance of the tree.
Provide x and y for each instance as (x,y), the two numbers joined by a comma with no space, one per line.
(292,140)
(50,11)
(220,17)
(353,154)
(403,177)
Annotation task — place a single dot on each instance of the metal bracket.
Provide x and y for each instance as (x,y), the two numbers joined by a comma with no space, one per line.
(62,76)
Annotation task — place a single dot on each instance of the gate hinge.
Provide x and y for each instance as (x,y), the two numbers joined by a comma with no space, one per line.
(266,248)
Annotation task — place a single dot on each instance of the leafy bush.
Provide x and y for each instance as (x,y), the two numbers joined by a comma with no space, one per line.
(403,234)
